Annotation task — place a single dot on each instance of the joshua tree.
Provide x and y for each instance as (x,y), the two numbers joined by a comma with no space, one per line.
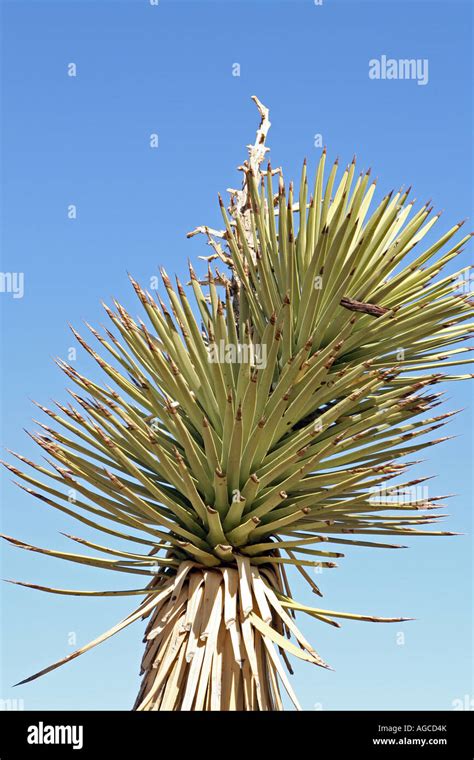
(258,428)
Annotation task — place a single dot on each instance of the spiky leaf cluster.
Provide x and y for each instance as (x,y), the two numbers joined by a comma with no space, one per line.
(258,411)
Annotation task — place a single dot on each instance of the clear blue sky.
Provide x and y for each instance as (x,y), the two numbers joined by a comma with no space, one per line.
(85,141)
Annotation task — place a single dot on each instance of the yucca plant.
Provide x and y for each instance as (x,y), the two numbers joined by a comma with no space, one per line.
(241,435)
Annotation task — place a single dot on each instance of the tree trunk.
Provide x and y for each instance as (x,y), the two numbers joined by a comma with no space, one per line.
(210,642)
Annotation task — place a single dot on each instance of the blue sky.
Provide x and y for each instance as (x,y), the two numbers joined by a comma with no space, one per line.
(84,140)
